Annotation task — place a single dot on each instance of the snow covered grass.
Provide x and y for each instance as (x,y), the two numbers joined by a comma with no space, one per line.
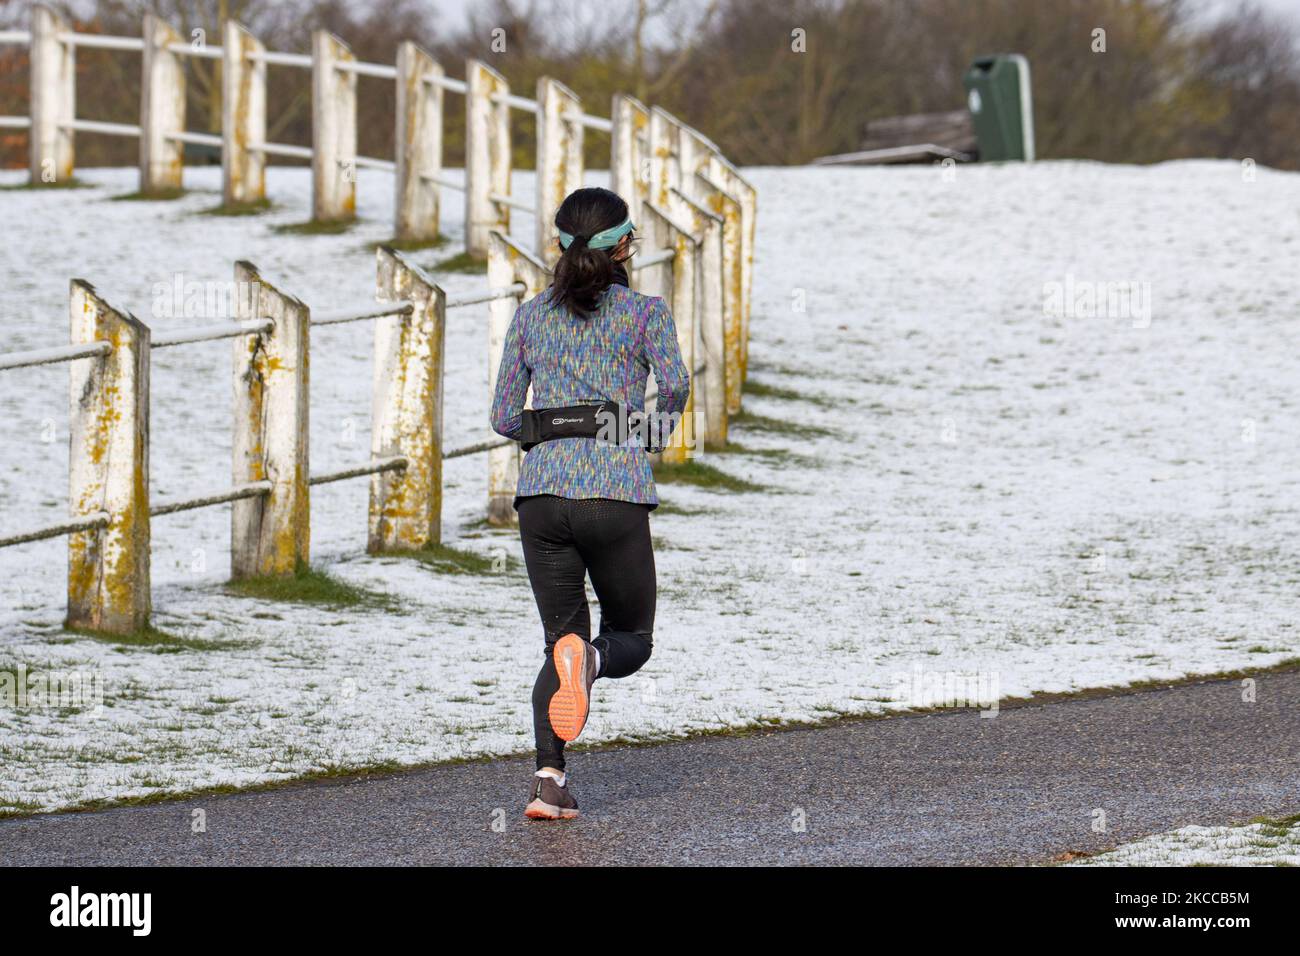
(964,470)
(1262,843)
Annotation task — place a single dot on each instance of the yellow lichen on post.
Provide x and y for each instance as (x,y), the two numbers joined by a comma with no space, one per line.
(709,389)
(418,142)
(108,566)
(662,157)
(665,232)
(559,159)
(407,411)
(243,117)
(729,179)
(628,163)
(162,109)
(53,79)
(728,207)
(333,130)
(507,265)
(487,155)
(271,533)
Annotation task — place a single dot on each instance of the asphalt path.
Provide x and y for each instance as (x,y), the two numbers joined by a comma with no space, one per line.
(1023,787)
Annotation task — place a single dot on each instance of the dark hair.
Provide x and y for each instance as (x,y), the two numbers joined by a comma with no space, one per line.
(582,273)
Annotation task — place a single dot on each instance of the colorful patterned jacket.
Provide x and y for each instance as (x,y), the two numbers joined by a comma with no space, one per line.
(570,360)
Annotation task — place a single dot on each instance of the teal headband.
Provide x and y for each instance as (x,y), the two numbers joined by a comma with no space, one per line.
(601,240)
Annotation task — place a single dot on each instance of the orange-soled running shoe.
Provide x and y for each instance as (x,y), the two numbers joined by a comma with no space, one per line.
(575,663)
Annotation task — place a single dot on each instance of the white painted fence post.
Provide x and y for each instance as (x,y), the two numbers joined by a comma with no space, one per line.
(507,264)
(53,78)
(270,534)
(243,117)
(665,172)
(487,155)
(683,299)
(559,159)
(418,144)
(724,174)
(406,418)
(711,384)
(108,567)
(680,153)
(162,109)
(628,163)
(693,152)
(333,130)
(728,207)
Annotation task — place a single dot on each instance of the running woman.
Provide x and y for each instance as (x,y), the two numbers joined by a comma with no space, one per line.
(584,502)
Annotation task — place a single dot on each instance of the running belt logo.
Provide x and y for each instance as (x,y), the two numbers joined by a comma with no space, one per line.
(103,909)
(566,421)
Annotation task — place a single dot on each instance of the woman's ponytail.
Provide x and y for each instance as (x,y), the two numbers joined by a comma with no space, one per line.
(583,273)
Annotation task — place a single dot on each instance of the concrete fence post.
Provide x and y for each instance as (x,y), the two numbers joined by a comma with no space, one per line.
(243,117)
(333,130)
(680,153)
(657,279)
(724,174)
(162,109)
(507,264)
(723,204)
(53,79)
(559,159)
(407,411)
(629,164)
(683,299)
(418,144)
(710,384)
(487,155)
(270,534)
(108,468)
(665,172)
(693,152)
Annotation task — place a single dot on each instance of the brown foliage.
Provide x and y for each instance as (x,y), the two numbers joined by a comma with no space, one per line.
(1167,86)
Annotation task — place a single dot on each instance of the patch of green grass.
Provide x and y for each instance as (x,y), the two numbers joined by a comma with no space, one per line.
(151,637)
(72,183)
(19,808)
(157,195)
(700,475)
(763,390)
(775,368)
(410,245)
(253,208)
(460,262)
(316,227)
(483,528)
(308,585)
(1276,828)
(771,454)
(445,559)
(736,448)
(668,508)
(778,426)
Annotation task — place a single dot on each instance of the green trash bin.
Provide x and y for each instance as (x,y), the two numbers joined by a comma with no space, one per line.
(1001,107)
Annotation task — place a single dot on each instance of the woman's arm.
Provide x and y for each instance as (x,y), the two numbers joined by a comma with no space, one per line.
(664,356)
(513,377)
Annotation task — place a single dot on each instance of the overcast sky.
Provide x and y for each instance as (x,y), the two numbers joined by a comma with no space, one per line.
(453,12)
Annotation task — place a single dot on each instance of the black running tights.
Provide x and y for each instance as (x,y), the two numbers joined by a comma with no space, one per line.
(564,540)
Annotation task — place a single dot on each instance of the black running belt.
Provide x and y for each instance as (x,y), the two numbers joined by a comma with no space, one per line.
(571,421)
